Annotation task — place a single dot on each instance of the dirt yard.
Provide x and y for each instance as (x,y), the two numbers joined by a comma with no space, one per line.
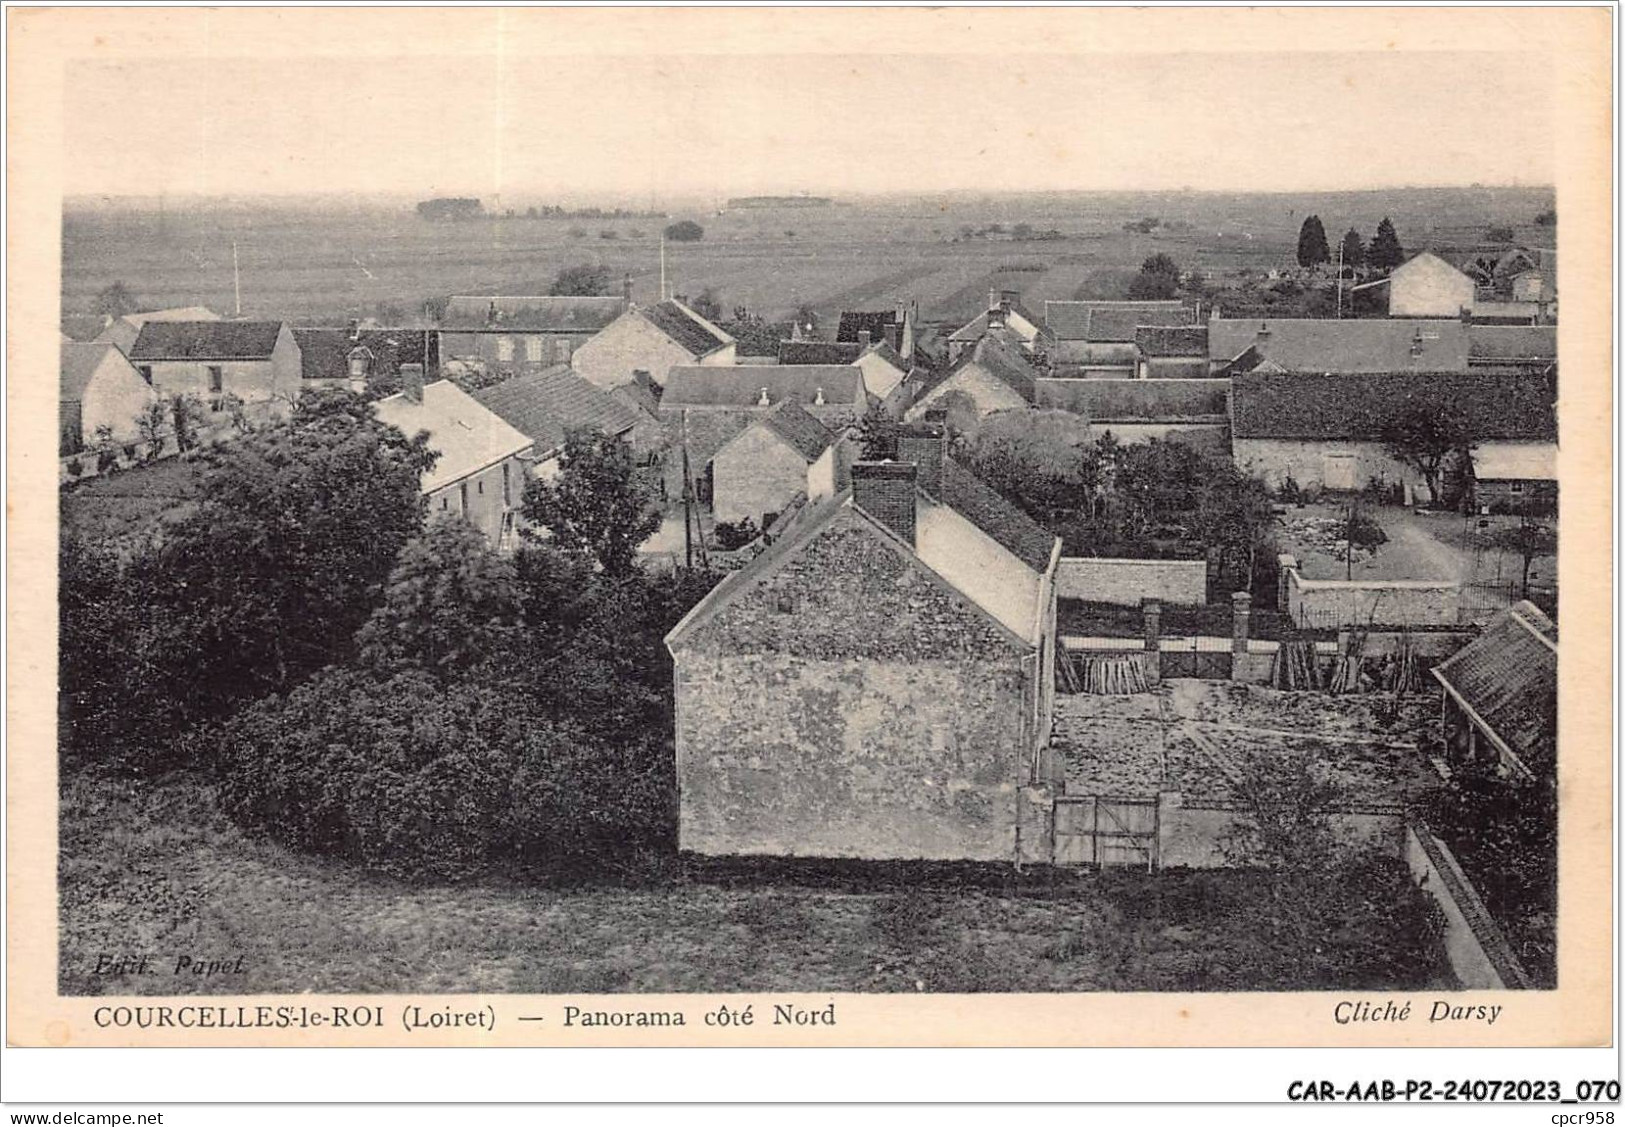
(156,870)
(1192,736)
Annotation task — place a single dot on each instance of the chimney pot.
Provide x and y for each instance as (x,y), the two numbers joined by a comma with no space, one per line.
(887,492)
(818,398)
(355,329)
(762,400)
(412,382)
(863,339)
(993,299)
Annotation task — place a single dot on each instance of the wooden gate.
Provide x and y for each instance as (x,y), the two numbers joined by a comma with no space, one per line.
(1092,830)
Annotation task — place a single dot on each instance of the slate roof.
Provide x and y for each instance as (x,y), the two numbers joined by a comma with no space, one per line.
(1171,340)
(1357,406)
(468,436)
(741,385)
(984,507)
(531,314)
(1348,345)
(324,353)
(805,434)
(205,340)
(1005,361)
(818,352)
(1510,344)
(875,323)
(687,328)
(544,405)
(1110,321)
(80,359)
(1508,676)
(977,327)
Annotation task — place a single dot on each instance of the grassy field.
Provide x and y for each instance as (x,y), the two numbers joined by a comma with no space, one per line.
(326,265)
(156,869)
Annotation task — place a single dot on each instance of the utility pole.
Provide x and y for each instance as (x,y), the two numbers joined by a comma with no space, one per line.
(1340,279)
(663,294)
(1348,539)
(688,489)
(236,279)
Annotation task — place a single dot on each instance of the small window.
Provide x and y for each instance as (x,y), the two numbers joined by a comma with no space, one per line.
(479,487)
(504,348)
(533,349)
(462,496)
(562,349)
(445,503)
(217,378)
(507,496)
(1515,487)
(359,363)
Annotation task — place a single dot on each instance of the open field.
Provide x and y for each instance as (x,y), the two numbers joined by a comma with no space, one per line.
(325,265)
(156,869)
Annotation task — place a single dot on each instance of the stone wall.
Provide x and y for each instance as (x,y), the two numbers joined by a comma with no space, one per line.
(755,474)
(629,344)
(1128,582)
(1478,951)
(1332,603)
(781,754)
(1305,461)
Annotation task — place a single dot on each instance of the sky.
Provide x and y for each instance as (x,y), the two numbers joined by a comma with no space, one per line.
(641,128)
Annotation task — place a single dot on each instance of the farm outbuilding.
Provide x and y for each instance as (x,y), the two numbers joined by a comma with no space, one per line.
(1501,695)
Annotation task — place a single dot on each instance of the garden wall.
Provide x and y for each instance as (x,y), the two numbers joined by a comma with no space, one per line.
(1193,836)
(1478,952)
(1127,582)
(1332,603)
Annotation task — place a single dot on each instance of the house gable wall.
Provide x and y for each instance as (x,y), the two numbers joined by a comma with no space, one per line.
(629,344)
(756,473)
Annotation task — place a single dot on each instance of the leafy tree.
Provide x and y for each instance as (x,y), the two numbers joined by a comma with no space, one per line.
(1353,249)
(105,448)
(184,413)
(877,435)
(595,504)
(153,426)
(583,280)
(755,336)
(1423,432)
(1235,518)
(709,305)
(296,529)
(1033,458)
(1385,252)
(1547,218)
(1529,539)
(1158,279)
(685,231)
(450,605)
(1312,248)
(807,317)
(115,300)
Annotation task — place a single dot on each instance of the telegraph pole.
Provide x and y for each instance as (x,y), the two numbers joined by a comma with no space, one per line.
(236,279)
(1340,279)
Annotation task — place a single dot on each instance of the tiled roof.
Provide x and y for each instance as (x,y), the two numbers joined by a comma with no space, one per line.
(818,352)
(1358,406)
(875,323)
(80,359)
(1170,340)
(544,405)
(532,314)
(1136,400)
(1005,361)
(205,340)
(1110,321)
(741,385)
(1349,345)
(687,328)
(324,354)
(805,434)
(980,504)
(468,436)
(976,328)
(1512,343)
(1508,676)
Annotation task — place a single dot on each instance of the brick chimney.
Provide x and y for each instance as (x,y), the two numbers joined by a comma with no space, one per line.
(626,288)
(355,329)
(886,491)
(412,382)
(924,444)
(995,317)
(863,340)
